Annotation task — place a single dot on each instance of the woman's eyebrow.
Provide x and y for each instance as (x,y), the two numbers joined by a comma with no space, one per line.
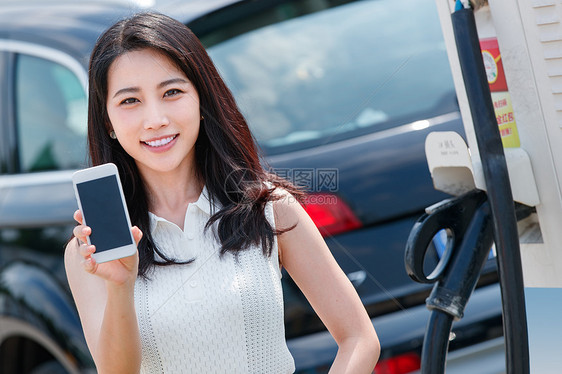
(126,90)
(172,81)
(165,83)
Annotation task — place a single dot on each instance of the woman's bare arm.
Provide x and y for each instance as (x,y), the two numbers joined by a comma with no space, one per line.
(104,296)
(311,265)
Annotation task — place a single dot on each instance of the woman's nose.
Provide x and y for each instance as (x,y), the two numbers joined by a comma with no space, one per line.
(155,116)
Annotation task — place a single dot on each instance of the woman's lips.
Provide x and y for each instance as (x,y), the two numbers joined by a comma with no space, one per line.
(161,144)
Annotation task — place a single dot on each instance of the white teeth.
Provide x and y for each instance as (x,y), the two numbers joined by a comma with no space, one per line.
(160,142)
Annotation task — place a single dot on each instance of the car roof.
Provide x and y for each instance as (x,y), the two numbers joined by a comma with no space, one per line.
(74,26)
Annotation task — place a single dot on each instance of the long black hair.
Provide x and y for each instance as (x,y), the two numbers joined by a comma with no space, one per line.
(226,153)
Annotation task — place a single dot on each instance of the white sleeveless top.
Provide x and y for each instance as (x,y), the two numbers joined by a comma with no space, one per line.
(215,315)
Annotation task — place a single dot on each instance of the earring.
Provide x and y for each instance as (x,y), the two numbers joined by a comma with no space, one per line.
(202,118)
(112,134)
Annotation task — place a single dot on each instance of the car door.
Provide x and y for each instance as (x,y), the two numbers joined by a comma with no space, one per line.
(44,128)
(43,113)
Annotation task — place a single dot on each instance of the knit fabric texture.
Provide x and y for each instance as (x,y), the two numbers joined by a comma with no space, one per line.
(219,314)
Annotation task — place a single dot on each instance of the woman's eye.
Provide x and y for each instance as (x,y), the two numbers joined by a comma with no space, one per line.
(172,92)
(130,100)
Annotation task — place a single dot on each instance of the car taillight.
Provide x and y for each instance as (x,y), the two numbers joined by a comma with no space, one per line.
(401,364)
(330,214)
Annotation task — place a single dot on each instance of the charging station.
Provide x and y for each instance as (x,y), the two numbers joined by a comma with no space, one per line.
(520,43)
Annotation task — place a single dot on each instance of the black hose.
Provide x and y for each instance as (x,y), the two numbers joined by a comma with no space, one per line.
(499,191)
(436,342)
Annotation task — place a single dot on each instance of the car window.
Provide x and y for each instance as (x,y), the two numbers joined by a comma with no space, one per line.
(51,115)
(319,73)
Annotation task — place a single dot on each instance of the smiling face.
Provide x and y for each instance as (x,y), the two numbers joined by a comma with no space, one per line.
(154,110)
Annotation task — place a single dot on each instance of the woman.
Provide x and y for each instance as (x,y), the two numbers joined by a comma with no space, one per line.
(203,293)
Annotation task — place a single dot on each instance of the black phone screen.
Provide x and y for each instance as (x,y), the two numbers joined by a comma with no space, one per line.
(104,213)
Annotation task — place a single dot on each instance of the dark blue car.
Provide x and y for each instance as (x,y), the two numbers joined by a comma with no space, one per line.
(340,96)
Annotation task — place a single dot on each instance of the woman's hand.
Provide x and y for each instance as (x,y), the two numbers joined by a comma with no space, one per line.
(119,272)
(104,297)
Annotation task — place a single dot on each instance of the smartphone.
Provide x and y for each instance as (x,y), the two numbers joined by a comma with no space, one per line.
(100,198)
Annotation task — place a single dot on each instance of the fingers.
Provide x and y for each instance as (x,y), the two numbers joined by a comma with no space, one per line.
(90,265)
(86,250)
(81,232)
(137,234)
(78,216)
